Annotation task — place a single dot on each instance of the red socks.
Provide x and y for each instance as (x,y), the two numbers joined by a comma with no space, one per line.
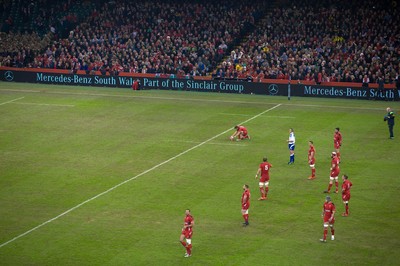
(262,192)
(189,249)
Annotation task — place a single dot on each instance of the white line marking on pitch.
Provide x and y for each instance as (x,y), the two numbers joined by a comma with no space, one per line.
(133,178)
(12,100)
(211,143)
(49,104)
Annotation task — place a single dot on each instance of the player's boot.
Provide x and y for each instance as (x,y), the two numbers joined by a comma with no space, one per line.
(187,255)
(322,240)
(327,191)
(311,177)
(332,237)
(345,214)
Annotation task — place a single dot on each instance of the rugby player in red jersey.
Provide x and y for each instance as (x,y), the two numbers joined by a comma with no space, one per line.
(337,141)
(311,159)
(187,232)
(245,204)
(264,178)
(335,170)
(328,215)
(240,133)
(346,186)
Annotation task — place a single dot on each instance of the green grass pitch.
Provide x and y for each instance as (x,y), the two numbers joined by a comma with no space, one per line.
(102,176)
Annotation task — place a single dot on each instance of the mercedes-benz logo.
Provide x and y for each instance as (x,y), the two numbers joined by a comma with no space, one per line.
(9,75)
(273,89)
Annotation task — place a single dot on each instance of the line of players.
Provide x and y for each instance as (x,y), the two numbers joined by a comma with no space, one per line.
(328,209)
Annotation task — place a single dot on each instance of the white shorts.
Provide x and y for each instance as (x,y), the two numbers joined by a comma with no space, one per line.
(333,178)
(327,225)
(261,184)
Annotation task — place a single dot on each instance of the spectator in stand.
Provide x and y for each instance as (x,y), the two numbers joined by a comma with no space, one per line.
(381,87)
(323,40)
(130,45)
(365,81)
(136,85)
(327,38)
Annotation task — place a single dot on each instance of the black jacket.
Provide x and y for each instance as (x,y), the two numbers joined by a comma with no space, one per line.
(389,117)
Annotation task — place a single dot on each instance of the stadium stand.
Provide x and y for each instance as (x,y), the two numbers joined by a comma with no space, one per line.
(349,41)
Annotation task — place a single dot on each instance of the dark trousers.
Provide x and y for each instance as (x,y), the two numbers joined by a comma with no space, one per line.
(391,130)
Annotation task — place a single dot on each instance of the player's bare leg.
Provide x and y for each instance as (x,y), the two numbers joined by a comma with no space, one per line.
(329,187)
(336,185)
(188,248)
(241,136)
(291,157)
(263,190)
(262,193)
(245,215)
(346,207)
(325,233)
(312,176)
(181,239)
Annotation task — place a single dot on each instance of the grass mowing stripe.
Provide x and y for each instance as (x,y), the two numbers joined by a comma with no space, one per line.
(12,100)
(10,90)
(332,106)
(133,178)
(48,104)
(191,99)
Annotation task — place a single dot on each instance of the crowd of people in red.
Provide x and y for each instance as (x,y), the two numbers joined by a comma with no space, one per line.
(350,41)
(345,41)
(172,37)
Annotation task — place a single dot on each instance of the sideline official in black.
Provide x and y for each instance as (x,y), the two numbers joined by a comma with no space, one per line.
(389,117)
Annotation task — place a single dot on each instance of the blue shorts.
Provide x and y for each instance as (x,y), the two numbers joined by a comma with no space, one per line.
(291,146)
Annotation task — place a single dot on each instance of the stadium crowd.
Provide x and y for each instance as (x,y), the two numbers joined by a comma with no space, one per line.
(174,37)
(349,41)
